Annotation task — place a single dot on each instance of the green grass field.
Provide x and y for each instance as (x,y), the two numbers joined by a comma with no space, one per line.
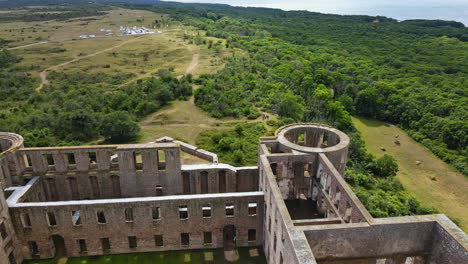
(215,256)
(127,58)
(425,176)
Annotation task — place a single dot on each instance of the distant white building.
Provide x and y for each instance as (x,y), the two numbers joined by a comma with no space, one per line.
(135,30)
(92,36)
(83,37)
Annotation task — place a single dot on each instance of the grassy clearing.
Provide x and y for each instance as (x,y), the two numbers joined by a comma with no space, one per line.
(425,176)
(134,56)
(181,120)
(22,33)
(247,256)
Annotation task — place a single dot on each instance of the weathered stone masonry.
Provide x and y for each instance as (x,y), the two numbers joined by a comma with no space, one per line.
(94,200)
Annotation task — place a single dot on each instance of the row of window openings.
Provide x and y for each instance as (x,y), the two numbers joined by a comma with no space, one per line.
(137,157)
(222,182)
(133,243)
(155,213)
(73,185)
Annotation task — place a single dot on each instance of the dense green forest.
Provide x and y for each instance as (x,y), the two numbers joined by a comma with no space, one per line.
(79,108)
(302,66)
(411,73)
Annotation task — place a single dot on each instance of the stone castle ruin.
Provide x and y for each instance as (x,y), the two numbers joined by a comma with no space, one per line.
(111,199)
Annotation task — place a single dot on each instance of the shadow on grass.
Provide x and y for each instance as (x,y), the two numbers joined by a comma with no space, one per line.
(371,122)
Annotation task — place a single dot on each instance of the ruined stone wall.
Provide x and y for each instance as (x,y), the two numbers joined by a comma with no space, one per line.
(370,241)
(282,242)
(449,248)
(330,186)
(143,225)
(9,245)
(218,178)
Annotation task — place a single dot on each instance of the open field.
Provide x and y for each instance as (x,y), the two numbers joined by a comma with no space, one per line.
(23,33)
(432,182)
(126,58)
(247,256)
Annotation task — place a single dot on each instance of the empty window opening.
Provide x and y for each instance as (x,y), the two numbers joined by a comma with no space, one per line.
(348,212)
(222,181)
(186,182)
(128,214)
(28,160)
(161,160)
(95,186)
(76,218)
(156,213)
(185,239)
(204,182)
(158,240)
(183,212)
(274,242)
(252,235)
(159,190)
(83,247)
(115,179)
(92,157)
(269,224)
(229,209)
(3,231)
(25,220)
(105,243)
(274,168)
(51,221)
(252,209)
(101,217)
(138,161)
(72,183)
(301,138)
(132,242)
(11,258)
(33,248)
(337,197)
(50,159)
(206,210)
(207,238)
(281,258)
(71,158)
(325,140)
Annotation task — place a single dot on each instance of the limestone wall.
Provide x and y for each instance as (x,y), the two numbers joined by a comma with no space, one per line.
(9,245)
(143,225)
(369,241)
(283,243)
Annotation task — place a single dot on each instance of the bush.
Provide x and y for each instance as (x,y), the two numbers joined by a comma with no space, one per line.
(119,127)
(385,166)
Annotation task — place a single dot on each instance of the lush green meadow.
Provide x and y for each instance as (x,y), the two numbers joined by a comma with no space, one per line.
(430,180)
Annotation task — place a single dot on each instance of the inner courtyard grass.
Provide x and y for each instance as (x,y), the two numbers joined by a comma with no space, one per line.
(246,256)
(429,179)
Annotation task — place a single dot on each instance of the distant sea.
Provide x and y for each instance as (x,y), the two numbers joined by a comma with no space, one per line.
(399,9)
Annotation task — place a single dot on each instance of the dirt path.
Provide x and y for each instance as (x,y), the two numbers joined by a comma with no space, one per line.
(424,175)
(43,74)
(29,45)
(193,64)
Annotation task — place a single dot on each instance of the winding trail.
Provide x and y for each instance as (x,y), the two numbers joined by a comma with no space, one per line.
(43,74)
